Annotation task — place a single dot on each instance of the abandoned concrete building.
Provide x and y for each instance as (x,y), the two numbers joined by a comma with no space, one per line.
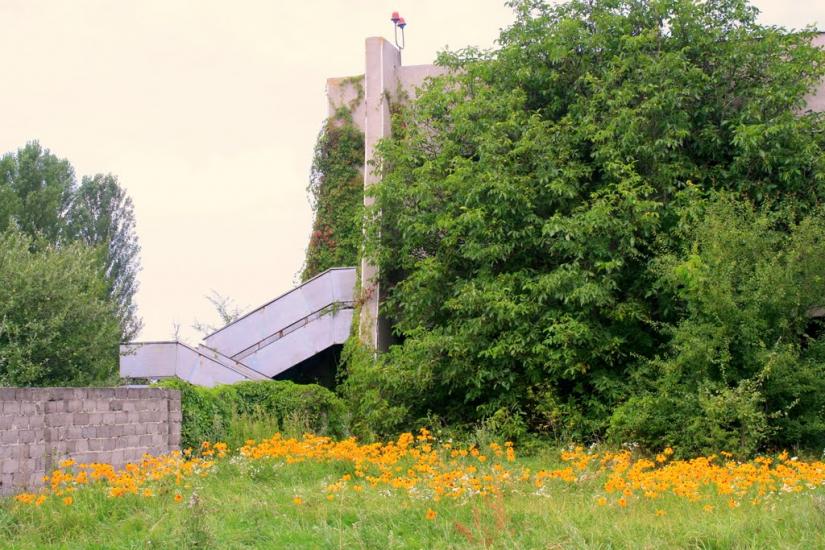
(299,335)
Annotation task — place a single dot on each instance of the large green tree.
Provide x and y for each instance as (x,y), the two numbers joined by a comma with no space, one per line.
(36,190)
(529,195)
(40,196)
(101,215)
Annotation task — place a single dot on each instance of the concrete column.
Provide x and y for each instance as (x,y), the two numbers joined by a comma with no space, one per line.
(383,61)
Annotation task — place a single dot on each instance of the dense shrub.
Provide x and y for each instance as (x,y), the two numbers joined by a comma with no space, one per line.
(539,204)
(745,361)
(57,324)
(227,413)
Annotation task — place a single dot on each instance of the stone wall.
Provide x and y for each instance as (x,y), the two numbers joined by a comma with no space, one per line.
(39,427)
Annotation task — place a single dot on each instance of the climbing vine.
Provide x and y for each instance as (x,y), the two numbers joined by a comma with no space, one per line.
(336,193)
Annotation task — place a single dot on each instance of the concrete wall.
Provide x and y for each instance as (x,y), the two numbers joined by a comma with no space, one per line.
(816,102)
(39,427)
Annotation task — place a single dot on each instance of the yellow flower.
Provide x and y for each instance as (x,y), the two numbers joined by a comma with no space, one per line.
(297,501)
(25,498)
(68,501)
(431,514)
(602,501)
(708,508)
(660,513)
(330,497)
(40,500)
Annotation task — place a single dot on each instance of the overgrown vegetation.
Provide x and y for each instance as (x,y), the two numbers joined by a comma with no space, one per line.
(41,197)
(609,226)
(68,268)
(420,492)
(57,325)
(336,191)
(236,412)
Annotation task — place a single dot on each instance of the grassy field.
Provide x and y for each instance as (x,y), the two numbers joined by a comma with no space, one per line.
(420,493)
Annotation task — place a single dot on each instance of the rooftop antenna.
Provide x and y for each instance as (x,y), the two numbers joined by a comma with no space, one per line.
(398,23)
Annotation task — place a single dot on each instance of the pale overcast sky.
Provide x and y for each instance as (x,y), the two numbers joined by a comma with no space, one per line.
(207,111)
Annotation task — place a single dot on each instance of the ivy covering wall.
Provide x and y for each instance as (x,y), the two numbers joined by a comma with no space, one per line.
(336,192)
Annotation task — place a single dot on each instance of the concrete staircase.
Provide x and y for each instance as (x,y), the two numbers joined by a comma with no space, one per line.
(262,344)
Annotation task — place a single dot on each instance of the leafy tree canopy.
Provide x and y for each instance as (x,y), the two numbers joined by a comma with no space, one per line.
(40,196)
(57,324)
(541,202)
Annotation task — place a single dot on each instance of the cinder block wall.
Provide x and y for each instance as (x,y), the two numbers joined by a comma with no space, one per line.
(39,427)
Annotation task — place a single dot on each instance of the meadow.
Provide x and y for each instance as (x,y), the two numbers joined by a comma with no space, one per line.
(420,492)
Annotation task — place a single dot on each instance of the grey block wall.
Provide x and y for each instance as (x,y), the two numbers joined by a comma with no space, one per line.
(39,427)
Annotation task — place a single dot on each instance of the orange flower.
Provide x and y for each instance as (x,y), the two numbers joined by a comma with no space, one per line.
(25,498)
(68,501)
(178,497)
(431,514)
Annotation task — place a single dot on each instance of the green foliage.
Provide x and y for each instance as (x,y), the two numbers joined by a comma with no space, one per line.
(36,191)
(102,216)
(531,199)
(337,196)
(744,364)
(40,196)
(57,325)
(233,413)
(376,393)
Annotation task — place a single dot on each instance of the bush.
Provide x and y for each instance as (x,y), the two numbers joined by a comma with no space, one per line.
(378,396)
(57,324)
(745,364)
(236,412)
